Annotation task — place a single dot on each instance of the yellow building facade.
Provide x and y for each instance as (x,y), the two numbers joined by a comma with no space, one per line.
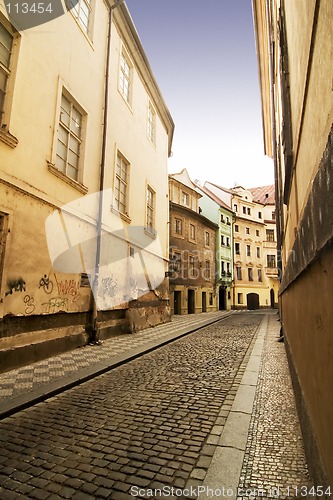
(295,54)
(67,135)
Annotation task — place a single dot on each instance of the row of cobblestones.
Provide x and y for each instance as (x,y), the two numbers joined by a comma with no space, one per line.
(274,464)
(26,378)
(147,424)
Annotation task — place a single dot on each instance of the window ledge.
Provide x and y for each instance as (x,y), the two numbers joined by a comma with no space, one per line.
(76,185)
(151,232)
(123,216)
(8,138)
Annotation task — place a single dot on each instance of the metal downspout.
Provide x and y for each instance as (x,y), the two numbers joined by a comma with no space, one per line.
(94,329)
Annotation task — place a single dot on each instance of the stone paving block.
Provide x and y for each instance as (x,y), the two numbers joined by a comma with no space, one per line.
(244,399)
(224,470)
(235,431)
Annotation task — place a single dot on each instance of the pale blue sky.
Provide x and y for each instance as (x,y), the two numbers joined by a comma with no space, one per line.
(203,56)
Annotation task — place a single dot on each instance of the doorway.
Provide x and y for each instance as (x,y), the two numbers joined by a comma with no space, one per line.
(272,298)
(222,298)
(204,302)
(252,301)
(191,301)
(177,302)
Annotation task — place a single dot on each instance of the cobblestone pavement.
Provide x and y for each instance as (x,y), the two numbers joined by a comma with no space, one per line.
(27,378)
(150,423)
(274,462)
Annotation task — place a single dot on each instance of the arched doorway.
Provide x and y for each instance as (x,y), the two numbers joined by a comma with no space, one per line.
(252,300)
(272,298)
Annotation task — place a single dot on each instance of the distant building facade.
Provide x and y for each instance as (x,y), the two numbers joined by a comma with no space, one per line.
(60,120)
(216,210)
(295,54)
(192,250)
(254,259)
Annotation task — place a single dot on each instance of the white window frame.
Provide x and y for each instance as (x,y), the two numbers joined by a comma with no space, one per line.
(121,183)
(81,10)
(151,123)
(9,72)
(125,80)
(67,129)
(5,67)
(150,209)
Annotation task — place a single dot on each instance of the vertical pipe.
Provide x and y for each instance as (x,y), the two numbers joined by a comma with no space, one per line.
(94,331)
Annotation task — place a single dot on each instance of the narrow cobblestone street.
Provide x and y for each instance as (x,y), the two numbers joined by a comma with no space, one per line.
(147,424)
(156,423)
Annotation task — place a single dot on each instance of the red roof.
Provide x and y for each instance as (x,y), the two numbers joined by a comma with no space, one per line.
(264,194)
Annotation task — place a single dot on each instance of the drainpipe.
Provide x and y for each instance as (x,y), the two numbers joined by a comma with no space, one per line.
(94,330)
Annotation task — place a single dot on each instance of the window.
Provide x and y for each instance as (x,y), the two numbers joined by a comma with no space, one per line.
(222,240)
(273,215)
(228,241)
(150,209)
(248,250)
(222,267)
(250,273)
(271,261)
(185,199)
(249,211)
(81,10)
(6,43)
(237,248)
(207,270)
(244,210)
(151,123)
(259,215)
(125,76)
(176,262)
(257,232)
(235,207)
(222,218)
(69,138)
(259,275)
(239,273)
(121,184)
(247,230)
(191,266)
(240,298)
(236,228)
(192,232)
(207,238)
(258,252)
(228,268)
(178,226)
(270,235)
(227,221)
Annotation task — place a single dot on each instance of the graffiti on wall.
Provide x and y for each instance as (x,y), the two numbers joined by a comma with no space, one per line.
(15,285)
(61,292)
(46,284)
(109,286)
(29,304)
(55,304)
(68,287)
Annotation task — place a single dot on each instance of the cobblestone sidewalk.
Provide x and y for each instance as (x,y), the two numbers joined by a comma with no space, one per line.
(274,461)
